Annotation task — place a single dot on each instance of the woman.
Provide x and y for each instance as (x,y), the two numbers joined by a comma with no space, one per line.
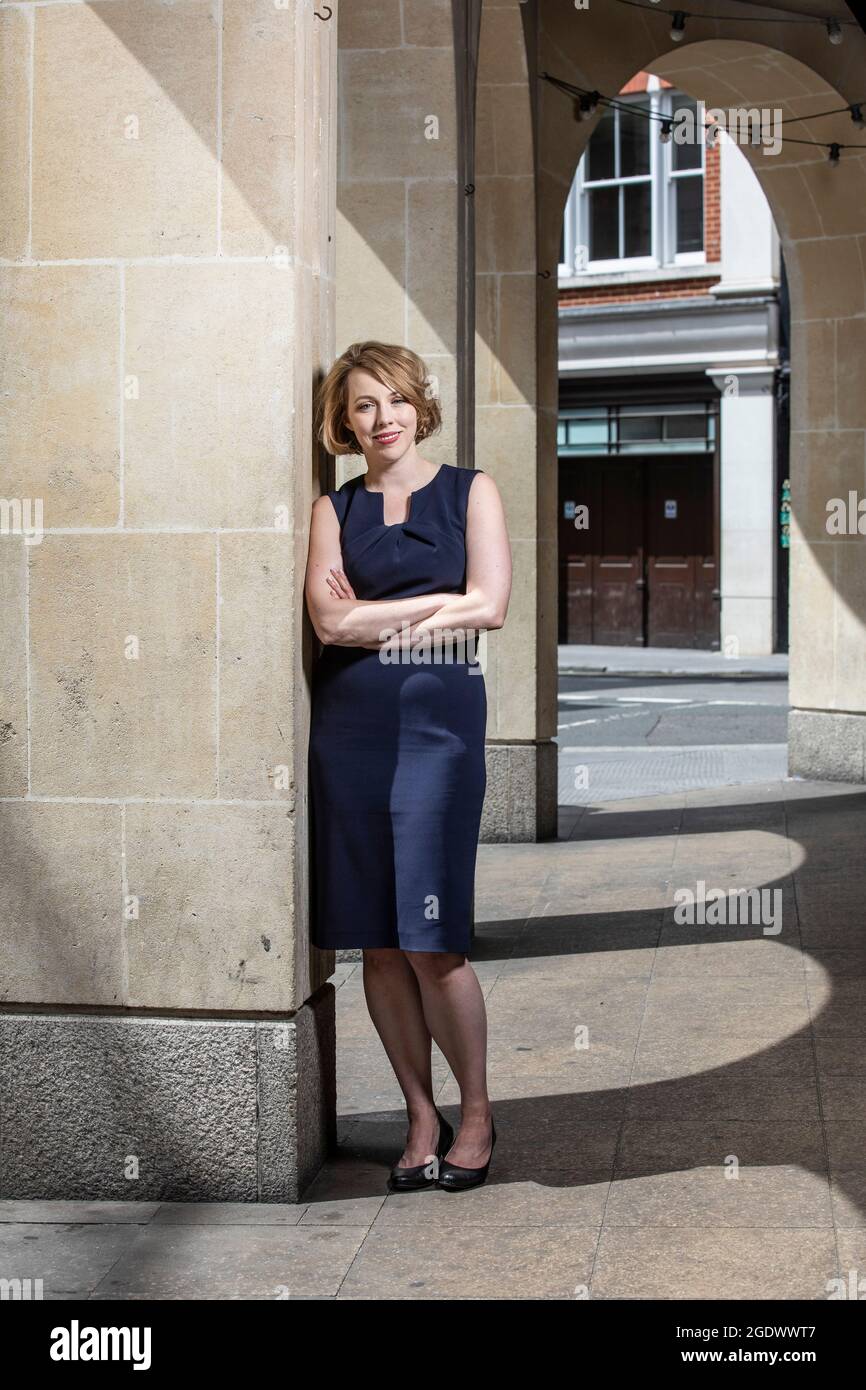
(408,563)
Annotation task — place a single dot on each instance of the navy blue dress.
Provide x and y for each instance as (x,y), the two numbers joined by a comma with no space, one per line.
(396,754)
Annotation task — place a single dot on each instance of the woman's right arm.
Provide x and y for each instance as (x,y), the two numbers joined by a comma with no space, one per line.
(351,622)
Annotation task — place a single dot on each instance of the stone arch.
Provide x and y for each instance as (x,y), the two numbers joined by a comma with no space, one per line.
(819,208)
(820,213)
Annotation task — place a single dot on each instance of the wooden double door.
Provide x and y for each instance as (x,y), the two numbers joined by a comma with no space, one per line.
(644,571)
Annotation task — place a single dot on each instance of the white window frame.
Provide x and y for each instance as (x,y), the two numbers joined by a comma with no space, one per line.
(671,177)
(662,178)
(569,226)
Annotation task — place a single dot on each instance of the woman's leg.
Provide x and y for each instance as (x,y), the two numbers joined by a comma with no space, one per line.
(394,1002)
(457,1019)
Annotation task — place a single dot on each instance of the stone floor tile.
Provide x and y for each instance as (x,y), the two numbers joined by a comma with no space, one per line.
(69,1258)
(684,1263)
(230,1262)
(785,1196)
(449,1261)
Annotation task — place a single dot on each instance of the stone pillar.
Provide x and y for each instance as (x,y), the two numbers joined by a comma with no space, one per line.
(516,405)
(749,510)
(397,196)
(402,267)
(167,175)
(825,222)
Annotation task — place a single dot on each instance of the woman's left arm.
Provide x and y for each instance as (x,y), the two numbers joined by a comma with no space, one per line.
(488,567)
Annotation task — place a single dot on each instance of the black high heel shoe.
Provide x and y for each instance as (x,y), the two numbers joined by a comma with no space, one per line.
(413,1179)
(453,1178)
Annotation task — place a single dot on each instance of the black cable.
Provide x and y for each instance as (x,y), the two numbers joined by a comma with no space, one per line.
(776,17)
(636,110)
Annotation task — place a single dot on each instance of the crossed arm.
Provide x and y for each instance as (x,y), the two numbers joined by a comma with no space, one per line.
(341,619)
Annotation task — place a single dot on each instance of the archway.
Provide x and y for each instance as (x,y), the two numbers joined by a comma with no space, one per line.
(819,217)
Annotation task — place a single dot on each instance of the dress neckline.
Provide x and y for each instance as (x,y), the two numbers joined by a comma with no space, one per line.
(418,490)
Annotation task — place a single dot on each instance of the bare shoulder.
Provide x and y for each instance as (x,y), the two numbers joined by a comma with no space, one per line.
(323,508)
(483,482)
(483,490)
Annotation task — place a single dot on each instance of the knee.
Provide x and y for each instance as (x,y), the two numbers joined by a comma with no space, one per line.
(383,957)
(435,965)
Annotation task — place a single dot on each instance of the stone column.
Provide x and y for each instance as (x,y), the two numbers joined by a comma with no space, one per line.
(747,422)
(516,409)
(397,196)
(749,510)
(402,270)
(167,176)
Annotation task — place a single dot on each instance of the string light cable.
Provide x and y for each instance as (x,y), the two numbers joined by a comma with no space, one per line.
(587,102)
(832,25)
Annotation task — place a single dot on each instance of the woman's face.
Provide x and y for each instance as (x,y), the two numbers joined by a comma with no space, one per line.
(383,421)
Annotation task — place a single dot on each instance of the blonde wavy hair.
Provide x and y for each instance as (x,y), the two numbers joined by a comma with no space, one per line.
(398,367)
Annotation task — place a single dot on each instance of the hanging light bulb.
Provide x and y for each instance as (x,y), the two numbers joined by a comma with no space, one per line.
(834,153)
(834,31)
(678,28)
(857,113)
(665,132)
(586,105)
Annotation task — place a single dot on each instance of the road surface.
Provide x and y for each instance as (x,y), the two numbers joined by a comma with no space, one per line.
(627,736)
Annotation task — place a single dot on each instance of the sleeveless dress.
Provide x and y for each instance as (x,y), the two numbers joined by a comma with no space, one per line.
(396,752)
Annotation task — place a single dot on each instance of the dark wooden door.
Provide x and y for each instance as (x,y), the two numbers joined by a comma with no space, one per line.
(601,582)
(576,490)
(682,570)
(644,571)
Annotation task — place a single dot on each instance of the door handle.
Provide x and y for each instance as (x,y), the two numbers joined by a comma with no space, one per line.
(640,583)
(715,593)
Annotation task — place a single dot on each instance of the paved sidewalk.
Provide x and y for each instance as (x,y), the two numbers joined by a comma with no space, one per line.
(708,1142)
(613,773)
(666,661)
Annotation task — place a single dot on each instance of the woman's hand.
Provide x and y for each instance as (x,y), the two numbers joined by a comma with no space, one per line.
(339,584)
